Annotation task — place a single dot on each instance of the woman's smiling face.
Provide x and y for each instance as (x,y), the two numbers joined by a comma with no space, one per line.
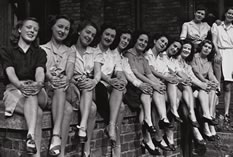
(61,29)
(142,42)
(124,40)
(174,48)
(161,43)
(186,50)
(87,35)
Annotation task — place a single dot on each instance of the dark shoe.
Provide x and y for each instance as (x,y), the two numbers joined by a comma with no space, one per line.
(195,124)
(177,119)
(158,144)
(30,145)
(209,138)
(112,137)
(171,146)
(151,129)
(163,124)
(216,137)
(218,92)
(56,149)
(227,118)
(200,142)
(210,121)
(81,139)
(151,151)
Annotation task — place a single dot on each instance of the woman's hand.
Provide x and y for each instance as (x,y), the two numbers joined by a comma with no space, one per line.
(159,87)
(187,82)
(59,82)
(213,85)
(117,84)
(204,86)
(172,80)
(87,83)
(30,88)
(146,88)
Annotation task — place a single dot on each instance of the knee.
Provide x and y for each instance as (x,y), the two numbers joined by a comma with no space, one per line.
(93,109)
(68,109)
(227,87)
(122,108)
(39,114)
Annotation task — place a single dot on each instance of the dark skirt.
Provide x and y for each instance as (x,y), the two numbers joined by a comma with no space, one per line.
(132,97)
(102,101)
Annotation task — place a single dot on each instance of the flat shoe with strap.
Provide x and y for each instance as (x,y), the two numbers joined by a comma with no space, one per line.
(30,145)
(56,149)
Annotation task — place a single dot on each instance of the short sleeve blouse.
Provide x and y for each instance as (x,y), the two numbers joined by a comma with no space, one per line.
(25,64)
(84,65)
(203,67)
(57,59)
(138,62)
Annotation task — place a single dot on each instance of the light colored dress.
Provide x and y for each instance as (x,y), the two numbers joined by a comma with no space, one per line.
(57,59)
(196,33)
(111,64)
(225,45)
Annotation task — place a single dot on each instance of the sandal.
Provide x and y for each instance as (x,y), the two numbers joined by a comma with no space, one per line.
(82,139)
(30,145)
(56,149)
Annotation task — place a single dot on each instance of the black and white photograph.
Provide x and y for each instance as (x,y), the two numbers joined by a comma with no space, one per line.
(116,78)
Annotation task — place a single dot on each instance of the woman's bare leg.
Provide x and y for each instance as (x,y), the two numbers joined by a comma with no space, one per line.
(90,128)
(65,127)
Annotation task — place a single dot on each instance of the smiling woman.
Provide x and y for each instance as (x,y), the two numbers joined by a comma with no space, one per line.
(196,30)
(24,80)
(60,67)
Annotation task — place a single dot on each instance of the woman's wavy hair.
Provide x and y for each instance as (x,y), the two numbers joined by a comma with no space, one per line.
(118,36)
(171,42)
(135,37)
(157,36)
(210,57)
(52,19)
(103,27)
(191,55)
(83,24)
(15,35)
(225,11)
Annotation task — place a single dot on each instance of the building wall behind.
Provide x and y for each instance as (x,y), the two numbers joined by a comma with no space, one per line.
(152,16)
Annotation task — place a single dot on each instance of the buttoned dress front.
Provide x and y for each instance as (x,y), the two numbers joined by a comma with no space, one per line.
(194,32)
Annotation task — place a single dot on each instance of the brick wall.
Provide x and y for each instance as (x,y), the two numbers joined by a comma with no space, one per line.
(120,13)
(162,16)
(71,8)
(13,134)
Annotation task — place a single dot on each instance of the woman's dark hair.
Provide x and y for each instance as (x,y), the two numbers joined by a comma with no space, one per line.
(135,37)
(172,41)
(226,10)
(201,7)
(15,35)
(53,19)
(102,29)
(191,55)
(74,37)
(118,36)
(156,37)
(210,57)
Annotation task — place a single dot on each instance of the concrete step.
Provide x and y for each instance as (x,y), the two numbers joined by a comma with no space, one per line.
(222,147)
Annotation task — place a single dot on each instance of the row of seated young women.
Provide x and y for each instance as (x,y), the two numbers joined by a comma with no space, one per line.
(122,68)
